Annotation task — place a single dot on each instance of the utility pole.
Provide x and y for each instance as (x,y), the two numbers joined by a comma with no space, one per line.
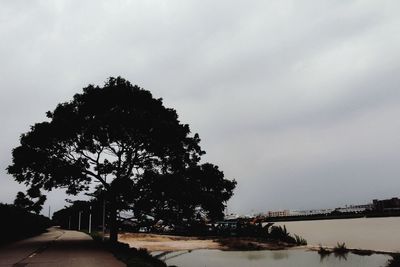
(79,225)
(104,218)
(90,220)
(104,211)
(49,211)
(69,223)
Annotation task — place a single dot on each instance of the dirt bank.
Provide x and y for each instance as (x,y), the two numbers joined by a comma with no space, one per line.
(153,242)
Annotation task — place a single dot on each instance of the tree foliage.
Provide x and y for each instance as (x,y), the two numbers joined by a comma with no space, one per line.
(17,223)
(126,141)
(32,201)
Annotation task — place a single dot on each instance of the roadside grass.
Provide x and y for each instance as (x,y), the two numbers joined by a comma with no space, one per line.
(132,257)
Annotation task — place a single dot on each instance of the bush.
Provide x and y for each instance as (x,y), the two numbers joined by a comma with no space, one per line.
(340,248)
(323,251)
(279,233)
(17,223)
(300,241)
(132,257)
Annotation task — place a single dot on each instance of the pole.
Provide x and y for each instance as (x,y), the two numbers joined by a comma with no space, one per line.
(104,211)
(90,220)
(69,223)
(104,218)
(49,211)
(79,225)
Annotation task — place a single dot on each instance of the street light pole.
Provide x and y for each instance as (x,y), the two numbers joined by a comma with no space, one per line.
(79,225)
(104,211)
(104,218)
(90,220)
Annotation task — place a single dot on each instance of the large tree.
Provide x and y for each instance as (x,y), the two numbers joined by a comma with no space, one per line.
(122,138)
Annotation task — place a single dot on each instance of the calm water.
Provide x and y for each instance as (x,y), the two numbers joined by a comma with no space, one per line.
(281,258)
(381,234)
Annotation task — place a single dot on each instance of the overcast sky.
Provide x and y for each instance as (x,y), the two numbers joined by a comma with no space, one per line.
(299,101)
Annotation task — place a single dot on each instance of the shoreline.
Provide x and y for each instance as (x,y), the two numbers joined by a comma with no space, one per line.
(173,243)
(161,242)
(357,251)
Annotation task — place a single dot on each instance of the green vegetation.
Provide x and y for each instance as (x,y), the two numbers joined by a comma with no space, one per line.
(340,249)
(300,241)
(279,233)
(251,236)
(323,251)
(17,223)
(238,243)
(132,257)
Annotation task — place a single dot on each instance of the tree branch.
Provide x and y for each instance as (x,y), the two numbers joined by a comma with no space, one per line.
(98,177)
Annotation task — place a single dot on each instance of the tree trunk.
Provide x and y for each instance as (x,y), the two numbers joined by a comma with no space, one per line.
(113,221)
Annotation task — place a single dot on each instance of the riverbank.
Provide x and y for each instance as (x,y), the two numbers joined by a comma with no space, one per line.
(155,242)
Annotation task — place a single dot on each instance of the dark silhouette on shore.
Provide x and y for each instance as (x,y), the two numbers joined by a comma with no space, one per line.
(17,223)
(132,148)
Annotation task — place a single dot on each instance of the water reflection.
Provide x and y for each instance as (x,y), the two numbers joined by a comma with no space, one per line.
(339,256)
(257,256)
(280,254)
(281,258)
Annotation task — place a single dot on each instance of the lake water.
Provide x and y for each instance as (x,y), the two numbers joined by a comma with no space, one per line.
(281,258)
(380,234)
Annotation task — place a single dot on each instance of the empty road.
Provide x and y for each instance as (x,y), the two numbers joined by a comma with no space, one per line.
(57,248)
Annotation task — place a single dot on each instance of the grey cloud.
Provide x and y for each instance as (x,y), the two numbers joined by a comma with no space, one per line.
(271,87)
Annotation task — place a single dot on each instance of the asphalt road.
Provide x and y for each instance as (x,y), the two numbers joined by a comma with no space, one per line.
(57,248)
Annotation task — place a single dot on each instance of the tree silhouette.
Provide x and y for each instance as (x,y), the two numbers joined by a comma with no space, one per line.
(122,138)
(28,202)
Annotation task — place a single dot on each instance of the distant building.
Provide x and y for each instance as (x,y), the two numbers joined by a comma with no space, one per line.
(392,204)
(355,208)
(279,213)
(232,216)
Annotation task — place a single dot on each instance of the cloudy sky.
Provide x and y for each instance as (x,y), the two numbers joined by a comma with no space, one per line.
(299,101)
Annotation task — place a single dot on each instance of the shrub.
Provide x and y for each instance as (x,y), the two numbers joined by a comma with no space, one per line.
(340,248)
(279,233)
(300,241)
(323,251)
(17,223)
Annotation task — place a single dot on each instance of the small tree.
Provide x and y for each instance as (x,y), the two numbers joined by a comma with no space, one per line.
(122,138)
(32,201)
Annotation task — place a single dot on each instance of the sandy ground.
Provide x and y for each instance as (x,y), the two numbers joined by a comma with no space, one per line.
(154,242)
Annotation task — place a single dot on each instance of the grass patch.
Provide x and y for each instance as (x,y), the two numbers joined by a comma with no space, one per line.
(323,251)
(340,249)
(239,244)
(279,233)
(300,241)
